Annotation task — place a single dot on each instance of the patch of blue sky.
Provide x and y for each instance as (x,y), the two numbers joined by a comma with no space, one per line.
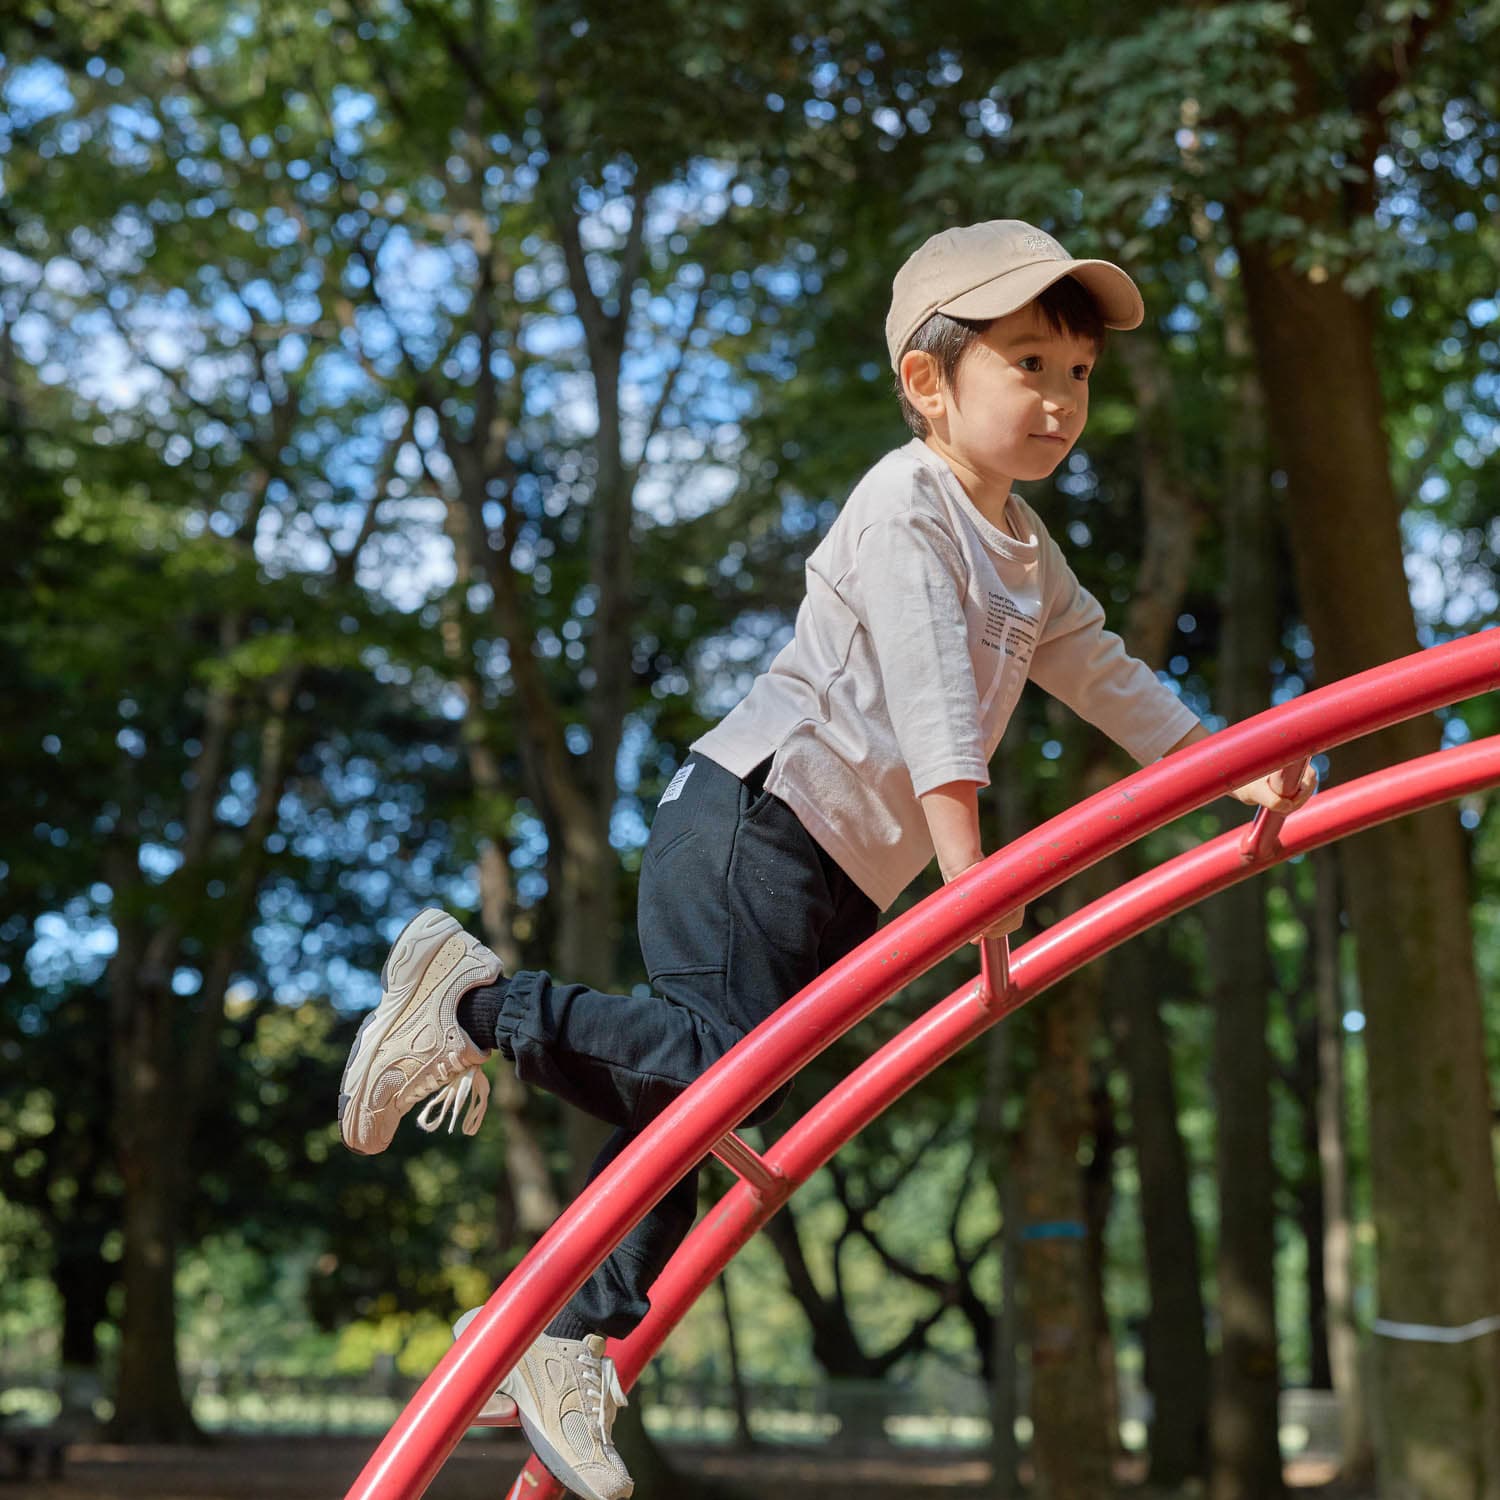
(18,271)
(186,981)
(110,376)
(635,740)
(228,311)
(237,802)
(418,279)
(566,398)
(34,91)
(724,665)
(628,828)
(1157,211)
(1483,433)
(603,229)
(1450,590)
(412,563)
(668,495)
(551,335)
(1183,319)
(70,946)
(350,109)
(158,861)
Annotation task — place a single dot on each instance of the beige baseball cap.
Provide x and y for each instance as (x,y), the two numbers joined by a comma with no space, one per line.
(990,269)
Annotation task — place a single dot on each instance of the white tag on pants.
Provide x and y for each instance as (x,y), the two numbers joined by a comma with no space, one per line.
(676,784)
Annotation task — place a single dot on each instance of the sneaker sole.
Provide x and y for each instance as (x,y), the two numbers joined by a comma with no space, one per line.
(411,989)
(553,1462)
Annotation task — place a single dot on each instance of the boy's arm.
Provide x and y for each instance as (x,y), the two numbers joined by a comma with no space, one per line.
(1085,665)
(952,813)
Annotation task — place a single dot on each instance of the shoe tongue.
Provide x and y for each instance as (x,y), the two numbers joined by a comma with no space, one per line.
(594,1343)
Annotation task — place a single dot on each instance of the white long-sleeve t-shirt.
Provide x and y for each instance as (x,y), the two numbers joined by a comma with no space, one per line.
(921,623)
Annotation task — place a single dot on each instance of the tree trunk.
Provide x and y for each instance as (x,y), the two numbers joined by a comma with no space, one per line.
(526,1203)
(1098,1199)
(1175,1343)
(163,1048)
(1437,1216)
(1003,1159)
(1071,1445)
(1245,1456)
(1344,1355)
(83,1280)
(149,1404)
(1073,1434)
(744,1439)
(1176,1349)
(835,1345)
(1244,1446)
(1310,1195)
(1005,1457)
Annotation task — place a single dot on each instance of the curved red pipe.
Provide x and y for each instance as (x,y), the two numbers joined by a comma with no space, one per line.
(432,1423)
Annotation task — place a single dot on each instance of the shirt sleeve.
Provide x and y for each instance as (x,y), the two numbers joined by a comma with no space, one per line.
(1087,667)
(910,591)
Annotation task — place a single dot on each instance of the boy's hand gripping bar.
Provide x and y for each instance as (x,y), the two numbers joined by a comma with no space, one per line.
(1262,839)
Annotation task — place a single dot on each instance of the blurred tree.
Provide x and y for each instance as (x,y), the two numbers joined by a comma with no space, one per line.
(434,409)
(180,668)
(1310,286)
(345,283)
(1245,1423)
(1306,134)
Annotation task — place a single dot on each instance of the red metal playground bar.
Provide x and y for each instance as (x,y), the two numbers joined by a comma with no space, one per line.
(702,1120)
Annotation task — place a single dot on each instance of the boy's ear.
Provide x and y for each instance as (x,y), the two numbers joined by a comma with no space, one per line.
(923,383)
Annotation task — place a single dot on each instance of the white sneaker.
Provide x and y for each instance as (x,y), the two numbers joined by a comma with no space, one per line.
(499,1410)
(568,1395)
(411,1043)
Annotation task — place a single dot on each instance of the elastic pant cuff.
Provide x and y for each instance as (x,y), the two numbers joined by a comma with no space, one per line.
(568,1325)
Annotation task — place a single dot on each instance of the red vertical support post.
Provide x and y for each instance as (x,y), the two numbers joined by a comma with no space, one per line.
(1262,840)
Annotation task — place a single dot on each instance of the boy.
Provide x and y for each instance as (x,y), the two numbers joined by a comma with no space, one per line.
(853,759)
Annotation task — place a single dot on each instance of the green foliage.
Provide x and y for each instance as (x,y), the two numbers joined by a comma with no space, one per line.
(281,285)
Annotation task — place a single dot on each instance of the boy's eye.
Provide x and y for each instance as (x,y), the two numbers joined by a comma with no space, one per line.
(1031,363)
(1080,372)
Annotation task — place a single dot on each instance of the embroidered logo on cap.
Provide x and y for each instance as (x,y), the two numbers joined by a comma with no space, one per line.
(1043,244)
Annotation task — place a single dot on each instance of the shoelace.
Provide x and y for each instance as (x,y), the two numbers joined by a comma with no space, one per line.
(598,1379)
(449,1100)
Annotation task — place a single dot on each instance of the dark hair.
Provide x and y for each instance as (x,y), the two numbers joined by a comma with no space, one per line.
(1066,307)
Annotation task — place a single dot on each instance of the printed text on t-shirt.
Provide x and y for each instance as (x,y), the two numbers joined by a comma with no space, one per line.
(1008,628)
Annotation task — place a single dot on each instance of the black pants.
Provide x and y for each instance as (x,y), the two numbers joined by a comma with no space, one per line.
(739,909)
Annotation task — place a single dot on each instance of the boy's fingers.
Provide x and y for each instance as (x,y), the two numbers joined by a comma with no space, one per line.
(1004,927)
(1281,802)
(1306,787)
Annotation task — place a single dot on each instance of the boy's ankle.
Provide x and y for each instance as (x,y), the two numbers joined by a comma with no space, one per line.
(568,1325)
(479,1014)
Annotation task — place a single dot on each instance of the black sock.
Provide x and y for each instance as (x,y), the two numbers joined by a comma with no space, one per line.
(479,1011)
(568,1325)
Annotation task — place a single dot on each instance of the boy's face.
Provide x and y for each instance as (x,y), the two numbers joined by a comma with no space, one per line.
(1018,403)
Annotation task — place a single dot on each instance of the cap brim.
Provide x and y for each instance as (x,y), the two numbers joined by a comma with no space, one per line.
(1114,291)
